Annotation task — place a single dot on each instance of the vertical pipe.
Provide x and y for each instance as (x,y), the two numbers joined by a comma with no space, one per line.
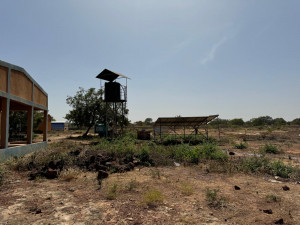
(29,124)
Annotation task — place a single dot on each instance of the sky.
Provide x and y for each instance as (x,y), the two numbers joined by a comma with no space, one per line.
(235,58)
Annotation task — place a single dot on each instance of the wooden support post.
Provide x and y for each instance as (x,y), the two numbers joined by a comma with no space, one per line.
(4,122)
(219,129)
(29,124)
(45,127)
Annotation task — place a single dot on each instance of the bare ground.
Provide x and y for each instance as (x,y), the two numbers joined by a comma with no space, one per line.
(83,201)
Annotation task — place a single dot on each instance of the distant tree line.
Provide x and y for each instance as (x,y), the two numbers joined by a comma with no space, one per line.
(254,122)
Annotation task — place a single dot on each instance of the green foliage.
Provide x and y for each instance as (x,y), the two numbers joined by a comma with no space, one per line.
(237,122)
(296,121)
(278,168)
(241,145)
(213,199)
(153,198)
(256,164)
(272,198)
(210,151)
(112,192)
(269,148)
(148,121)
(261,121)
(86,108)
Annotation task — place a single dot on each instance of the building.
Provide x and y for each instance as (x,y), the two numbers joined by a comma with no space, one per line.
(20,92)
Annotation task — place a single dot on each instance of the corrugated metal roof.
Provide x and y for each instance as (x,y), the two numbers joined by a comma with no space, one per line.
(110,75)
(184,121)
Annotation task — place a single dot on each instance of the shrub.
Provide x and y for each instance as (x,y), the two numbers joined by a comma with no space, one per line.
(153,198)
(2,174)
(186,188)
(273,198)
(241,145)
(132,184)
(69,174)
(269,148)
(210,151)
(279,169)
(112,192)
(213,199)
(255,164)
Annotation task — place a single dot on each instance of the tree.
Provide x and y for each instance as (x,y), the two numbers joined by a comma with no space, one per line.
(237,122)
(87,109)
(148,121)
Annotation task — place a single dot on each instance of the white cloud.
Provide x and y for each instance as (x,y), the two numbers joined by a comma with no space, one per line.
(212,52)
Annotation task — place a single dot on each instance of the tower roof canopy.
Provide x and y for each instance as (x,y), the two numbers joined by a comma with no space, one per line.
(110,75)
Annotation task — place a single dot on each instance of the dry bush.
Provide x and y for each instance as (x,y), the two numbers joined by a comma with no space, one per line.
(69,174)
(186,188)
(153,198)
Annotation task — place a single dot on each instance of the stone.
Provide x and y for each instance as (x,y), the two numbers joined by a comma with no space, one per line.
(102,175)
(237,187)
(51,173)
(285,188)
(280,221)
(231,153)
(268,211)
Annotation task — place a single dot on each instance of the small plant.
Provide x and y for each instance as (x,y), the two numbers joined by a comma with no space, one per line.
(153,198)
(213,199)
(241,145)
(112,192)
(155,173)
(132,184)
(269,148)
(278,168)
(186,188)
(272,198)
(69,174)
(2,174)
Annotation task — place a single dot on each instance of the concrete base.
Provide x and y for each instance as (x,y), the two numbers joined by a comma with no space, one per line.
(21,150)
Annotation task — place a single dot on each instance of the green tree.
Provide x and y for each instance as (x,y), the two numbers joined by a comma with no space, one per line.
(262,121)
(148,121)
(86,108)
(279,121)
(237,122)
(295,121)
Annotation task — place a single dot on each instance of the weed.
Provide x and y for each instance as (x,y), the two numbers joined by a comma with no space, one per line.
(186,188)
(112,192)
(213,199)
(132,184)
(241,145)
(210,151)
(155,173)
(2,174)
(69,174)
(153,198)
(269,148)
(278,168)
(272,198)
(255,164)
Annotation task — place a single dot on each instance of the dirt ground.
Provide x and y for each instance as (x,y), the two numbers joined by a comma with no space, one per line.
(260,200)
(81,201)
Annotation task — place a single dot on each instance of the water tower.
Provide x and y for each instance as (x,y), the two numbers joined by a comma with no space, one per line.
(115,99)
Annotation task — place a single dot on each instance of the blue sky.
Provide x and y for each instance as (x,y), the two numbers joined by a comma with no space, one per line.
(238,59)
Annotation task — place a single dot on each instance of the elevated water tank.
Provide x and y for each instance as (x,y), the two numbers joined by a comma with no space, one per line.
(112,92)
